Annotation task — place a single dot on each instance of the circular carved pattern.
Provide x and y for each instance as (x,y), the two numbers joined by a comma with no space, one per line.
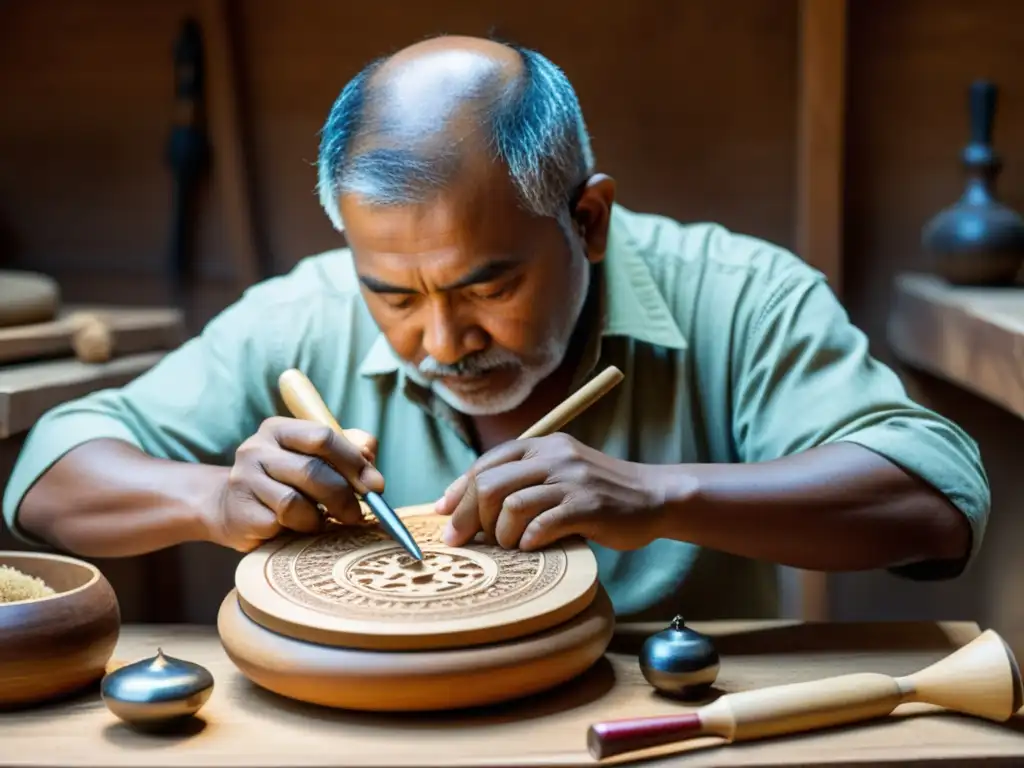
(393,571)
(362,574)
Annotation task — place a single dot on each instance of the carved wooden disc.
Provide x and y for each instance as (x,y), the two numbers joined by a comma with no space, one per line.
(356,587)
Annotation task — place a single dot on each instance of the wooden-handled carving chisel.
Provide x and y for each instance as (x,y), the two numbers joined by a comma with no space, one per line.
(305,402)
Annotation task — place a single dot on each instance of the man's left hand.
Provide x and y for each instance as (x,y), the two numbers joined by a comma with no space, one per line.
(528,493)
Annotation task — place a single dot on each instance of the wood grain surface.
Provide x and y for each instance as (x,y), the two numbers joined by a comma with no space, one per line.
(972,337)
(244,726)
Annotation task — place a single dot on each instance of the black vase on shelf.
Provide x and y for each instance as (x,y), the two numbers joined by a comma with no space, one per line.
(978,240)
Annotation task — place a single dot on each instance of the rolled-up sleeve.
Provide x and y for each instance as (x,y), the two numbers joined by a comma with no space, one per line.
(198,403)
(804,377)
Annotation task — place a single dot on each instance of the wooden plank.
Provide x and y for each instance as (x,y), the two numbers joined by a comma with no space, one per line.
(820,116)
(242,725)
(28,391)
(231,155)
(819,179)
(972,337)
(133,330)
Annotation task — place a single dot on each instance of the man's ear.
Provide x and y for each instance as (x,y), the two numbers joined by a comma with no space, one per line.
(593,212)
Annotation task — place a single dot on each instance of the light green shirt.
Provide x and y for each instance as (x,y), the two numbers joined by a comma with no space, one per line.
(734,350)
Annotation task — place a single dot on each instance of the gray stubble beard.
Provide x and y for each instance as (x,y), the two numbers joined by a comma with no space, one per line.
(529,375)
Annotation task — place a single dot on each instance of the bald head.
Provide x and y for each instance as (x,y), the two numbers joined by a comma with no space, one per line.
(439,86)
(429,103)
(407,126)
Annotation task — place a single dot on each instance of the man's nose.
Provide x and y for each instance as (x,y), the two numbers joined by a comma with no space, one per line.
(445,337)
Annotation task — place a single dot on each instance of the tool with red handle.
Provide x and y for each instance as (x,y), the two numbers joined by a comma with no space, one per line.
(981,679)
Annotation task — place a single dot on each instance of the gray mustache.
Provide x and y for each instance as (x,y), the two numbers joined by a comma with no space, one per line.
(471,365)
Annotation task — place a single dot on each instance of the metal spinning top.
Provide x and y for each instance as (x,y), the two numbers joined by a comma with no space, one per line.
(157,692)
(679,661)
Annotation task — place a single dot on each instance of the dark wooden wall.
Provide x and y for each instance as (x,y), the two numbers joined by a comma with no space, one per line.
(912,62)
(692,104)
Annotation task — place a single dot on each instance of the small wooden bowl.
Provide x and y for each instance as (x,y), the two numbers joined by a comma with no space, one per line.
(56,645)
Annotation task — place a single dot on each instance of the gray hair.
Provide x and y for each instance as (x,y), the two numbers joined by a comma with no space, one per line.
(536,129)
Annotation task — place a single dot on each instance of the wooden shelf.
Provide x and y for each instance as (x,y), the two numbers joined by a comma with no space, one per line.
(972,337)
(132,330)
(28,391)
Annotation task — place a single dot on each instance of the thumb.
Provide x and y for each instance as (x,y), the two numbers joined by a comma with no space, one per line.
(452,495)
(464,522)
(247,545)
(364,441)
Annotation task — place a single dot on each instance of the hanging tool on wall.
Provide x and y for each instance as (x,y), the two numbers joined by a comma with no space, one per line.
(234,158)
(188,154)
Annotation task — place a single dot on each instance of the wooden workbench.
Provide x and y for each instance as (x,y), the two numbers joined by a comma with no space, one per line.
(244,726)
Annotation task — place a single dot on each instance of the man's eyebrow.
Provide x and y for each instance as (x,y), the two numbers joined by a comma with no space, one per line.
(485,273)
(482,274)
(379,286)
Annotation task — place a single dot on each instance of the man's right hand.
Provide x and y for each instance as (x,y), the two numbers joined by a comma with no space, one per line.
(282,473)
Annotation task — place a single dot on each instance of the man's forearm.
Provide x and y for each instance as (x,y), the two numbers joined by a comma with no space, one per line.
(106,498)
(838,507)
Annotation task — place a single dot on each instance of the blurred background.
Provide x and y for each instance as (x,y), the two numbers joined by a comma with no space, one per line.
(832,128)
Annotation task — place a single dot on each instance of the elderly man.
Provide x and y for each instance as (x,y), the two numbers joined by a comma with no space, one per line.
(489,272)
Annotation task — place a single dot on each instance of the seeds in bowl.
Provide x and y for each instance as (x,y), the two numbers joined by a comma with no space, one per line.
(15,586)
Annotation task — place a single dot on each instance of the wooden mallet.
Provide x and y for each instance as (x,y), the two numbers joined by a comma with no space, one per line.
(980,679)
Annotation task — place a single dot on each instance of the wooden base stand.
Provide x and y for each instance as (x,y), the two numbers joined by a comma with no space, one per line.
(415,680)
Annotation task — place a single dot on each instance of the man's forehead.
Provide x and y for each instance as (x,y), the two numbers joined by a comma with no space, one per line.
(437,227)
(424,252)
(481,206)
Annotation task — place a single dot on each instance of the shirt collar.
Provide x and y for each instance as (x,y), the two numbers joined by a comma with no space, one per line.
(632,304)
(380,360)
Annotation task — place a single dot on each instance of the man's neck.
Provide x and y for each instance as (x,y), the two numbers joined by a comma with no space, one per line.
(489,431)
